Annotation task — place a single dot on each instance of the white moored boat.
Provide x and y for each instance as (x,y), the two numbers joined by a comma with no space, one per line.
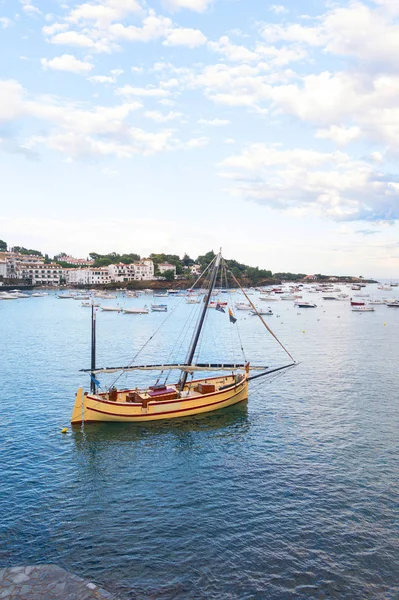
(303,304)
(242,306)
(261,311)
(159,307)
(136,311)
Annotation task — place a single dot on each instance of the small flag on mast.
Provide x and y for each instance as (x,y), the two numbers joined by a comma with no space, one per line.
(94,380)
(220,308)
(231,316)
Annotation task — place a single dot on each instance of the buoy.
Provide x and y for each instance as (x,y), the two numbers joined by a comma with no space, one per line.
(65,430)
(384,324)
(303,331)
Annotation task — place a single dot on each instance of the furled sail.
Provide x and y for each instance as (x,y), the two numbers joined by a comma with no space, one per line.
(180,367)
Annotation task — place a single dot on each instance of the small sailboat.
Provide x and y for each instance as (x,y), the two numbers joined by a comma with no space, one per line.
(243,306)
(304,304)
(188,395)
(159,307)
(136,311)
(269,298)
(261,311)
(363,309)
(193,300)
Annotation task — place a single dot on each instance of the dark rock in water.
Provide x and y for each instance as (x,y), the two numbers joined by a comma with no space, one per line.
(47,582)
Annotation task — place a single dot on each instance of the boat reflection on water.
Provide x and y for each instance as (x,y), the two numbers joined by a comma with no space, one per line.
(225,423)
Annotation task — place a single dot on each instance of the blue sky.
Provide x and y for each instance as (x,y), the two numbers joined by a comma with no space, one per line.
(269,129)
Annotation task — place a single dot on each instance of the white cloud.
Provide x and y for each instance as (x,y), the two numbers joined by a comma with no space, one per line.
(278,57)
(137,69)
(195,5)
(340,135)
(29,8)
(5,22)
(80,40)
(153,27)
(54,28)
(104,12)
(83,132)
(162,118)
(278,9)
(358,31)
(197,142)
(300,181)
(229,141)
(11,100)
(67,62)
(181,36)
(232,51)
(105,79)
(102,79)
(214,122)
(129,90)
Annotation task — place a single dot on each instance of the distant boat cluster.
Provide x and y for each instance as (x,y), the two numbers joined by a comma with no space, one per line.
(358,296)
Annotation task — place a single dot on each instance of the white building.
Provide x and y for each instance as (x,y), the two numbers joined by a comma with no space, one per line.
(80,262)
(143,270)
(99,276)
(3,268)
(88,276)
(195,269)
(121,272)
(76,276)
(163,267)
(39,273)
(16,262)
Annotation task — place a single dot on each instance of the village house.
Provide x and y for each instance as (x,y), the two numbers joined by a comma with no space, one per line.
(163,267)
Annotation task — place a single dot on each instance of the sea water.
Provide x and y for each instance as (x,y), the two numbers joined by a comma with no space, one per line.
(293,495)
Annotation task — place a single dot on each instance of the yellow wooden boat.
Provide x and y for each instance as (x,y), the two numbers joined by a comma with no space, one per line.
(170,401)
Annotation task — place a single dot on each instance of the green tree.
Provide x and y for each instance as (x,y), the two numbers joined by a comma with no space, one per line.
(205,259)
(23,250)
(103,260)
(169,275)
(187,261)
(3,246)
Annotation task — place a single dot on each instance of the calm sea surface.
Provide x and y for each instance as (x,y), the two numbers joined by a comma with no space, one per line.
(293,495)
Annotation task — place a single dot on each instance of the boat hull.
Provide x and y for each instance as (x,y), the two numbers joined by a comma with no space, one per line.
(96,408)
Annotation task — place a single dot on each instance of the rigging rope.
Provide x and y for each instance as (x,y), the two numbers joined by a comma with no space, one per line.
(261,318)
(160,327)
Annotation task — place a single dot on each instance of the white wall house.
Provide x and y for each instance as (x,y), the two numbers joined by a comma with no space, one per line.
(88,276)
(195,269)
(162,267)
(80,262)
(99,275)
(76,276)
(39,273)
(16,262)
(121,272)
(3,268)
(144,269)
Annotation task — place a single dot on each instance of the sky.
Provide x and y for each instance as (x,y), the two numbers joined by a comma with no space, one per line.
(270,130)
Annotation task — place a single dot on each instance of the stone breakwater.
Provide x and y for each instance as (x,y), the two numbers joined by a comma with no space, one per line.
(47,582)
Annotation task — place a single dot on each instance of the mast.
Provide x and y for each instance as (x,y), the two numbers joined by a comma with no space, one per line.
(191,352)
(93,350)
